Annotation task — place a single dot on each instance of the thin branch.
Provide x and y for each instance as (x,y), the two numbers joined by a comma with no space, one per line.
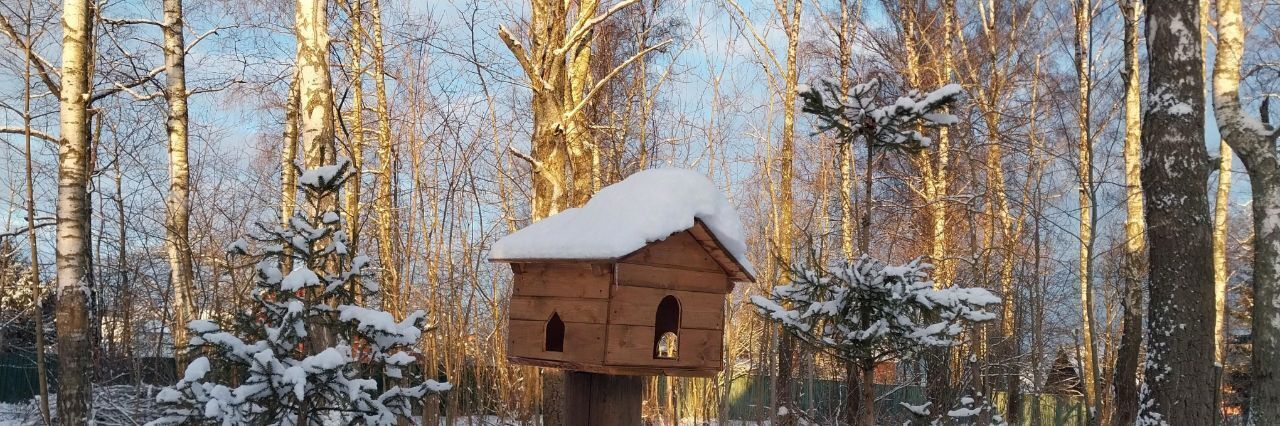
(41,222)
(522,57)
(22,131)
(763,45)
(42,66)
(580,29)
(533,163)
(132,21)
(605,80)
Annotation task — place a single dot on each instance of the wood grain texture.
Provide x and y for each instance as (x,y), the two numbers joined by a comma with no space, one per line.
(602,399)
(680,251)
(534,308)
(624,370)
(581,280)
(638,306)
(583,343)
(632,345)
(672,279)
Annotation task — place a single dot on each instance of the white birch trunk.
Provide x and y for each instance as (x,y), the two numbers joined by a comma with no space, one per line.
(178,202)
(74,346)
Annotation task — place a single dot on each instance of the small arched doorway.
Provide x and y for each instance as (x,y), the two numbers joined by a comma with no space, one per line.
(554,334)
(666,329)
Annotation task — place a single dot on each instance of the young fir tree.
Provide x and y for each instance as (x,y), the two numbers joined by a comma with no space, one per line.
(325,358)
(868,312)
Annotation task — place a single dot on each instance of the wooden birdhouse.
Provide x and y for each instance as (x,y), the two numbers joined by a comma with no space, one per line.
(632,283)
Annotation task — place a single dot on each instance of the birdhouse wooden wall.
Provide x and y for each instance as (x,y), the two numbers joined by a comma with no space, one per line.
(576,294)
(616,315)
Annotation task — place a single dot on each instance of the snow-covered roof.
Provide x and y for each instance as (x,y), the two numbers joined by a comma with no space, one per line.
(624,217)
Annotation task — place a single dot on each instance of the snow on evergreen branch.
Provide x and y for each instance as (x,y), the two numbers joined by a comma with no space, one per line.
(866,310)
(307,352)
(885,126)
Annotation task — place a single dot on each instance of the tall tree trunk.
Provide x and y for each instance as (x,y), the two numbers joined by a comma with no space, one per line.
(37,287)
(1125,382)
(1254,141)
(177,219)
(385,193)
(1084,68)
(990,99)
(557,63)
(1179,367)
(1221,212)
(288,165)
(584,158)
(937,187)
(315,90)
(355,144)
(845,42)
(75,351)
(548,154)
(789,12)
(315,98)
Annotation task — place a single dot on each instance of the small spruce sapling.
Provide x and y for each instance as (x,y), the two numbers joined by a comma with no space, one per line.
(324,358)
(868,312)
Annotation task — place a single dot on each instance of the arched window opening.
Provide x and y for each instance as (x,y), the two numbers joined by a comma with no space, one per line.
(666,329)
(555,334)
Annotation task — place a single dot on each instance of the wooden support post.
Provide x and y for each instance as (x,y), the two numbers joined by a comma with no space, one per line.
(602,399)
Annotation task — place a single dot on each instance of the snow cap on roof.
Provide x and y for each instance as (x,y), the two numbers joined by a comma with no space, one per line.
(624,217)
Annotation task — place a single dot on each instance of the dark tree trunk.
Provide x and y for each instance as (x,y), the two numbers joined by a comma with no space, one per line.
(1175,171)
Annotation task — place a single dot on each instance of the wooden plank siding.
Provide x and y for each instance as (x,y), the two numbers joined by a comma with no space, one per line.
(638,306)
(609,308)
(534,308)
(583,342)
(633,345)
(577,280)
(679,250)
(630,274)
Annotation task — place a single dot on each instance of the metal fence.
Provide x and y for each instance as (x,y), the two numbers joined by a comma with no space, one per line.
(750,399)
(19,380)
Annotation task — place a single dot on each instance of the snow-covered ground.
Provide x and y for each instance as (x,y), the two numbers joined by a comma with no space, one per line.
(26,414)
(113,405)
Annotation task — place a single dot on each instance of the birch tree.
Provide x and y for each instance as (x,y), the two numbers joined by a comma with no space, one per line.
(1084,70)
(75,360)
(789,11)
(178,203)
(385,193)
(1125,382)
(1178,375)
(1255,142)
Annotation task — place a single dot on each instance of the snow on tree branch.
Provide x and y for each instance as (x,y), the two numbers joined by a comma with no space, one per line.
(866,310)
(885,126)
(308,352)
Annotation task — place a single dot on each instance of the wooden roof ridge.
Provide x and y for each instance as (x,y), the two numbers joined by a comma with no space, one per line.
(736,270)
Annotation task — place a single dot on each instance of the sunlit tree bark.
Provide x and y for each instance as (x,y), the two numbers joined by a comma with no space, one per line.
(1125,382)
(1084,70)
(1254,141)
(384,205)
(178,203)
(74,345)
